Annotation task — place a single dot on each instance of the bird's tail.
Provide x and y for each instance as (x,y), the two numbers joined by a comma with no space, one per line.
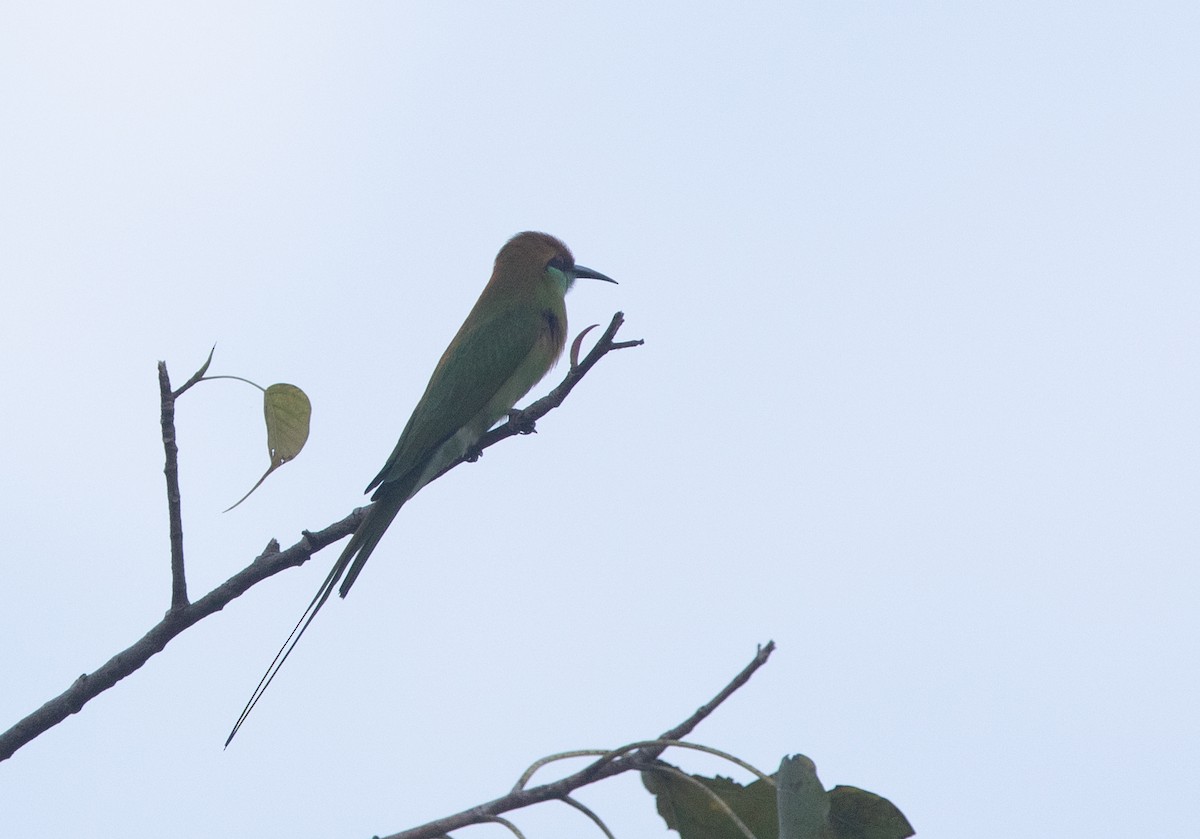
(367,536)
(358,549)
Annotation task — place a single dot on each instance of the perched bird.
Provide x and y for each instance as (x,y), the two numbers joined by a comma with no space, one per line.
(512,337)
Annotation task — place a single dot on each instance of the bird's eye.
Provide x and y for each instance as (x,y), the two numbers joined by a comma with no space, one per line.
(560,263)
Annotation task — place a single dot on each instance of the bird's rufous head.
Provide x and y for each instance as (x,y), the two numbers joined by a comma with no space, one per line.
(531,252)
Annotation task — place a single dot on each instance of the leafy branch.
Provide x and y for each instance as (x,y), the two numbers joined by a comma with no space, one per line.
(790,804)
(635,756)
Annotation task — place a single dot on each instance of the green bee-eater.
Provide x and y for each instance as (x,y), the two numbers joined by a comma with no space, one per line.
(512,337)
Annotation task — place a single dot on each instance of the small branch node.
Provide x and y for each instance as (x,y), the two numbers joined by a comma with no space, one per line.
(521,422)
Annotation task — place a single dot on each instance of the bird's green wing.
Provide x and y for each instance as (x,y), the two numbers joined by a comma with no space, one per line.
(476,365)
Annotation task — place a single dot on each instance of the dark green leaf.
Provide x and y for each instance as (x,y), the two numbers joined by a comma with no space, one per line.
(858,814)
(694,815)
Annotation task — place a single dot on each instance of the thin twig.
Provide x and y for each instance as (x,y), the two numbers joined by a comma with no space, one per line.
(198,375)
(659,744)
(650,753)
(609,754)
(512,827)
(548,759)
(596,820)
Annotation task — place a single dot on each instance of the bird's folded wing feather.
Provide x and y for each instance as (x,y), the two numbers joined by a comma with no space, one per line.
(473,369)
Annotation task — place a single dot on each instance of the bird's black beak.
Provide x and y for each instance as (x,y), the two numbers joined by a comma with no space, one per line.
(581,271)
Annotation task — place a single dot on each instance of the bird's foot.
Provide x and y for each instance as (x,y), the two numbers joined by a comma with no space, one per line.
(521,422)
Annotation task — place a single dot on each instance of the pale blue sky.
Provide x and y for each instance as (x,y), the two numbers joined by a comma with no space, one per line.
(918,400)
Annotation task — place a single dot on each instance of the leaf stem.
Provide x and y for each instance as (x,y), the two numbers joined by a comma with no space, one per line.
(236,379)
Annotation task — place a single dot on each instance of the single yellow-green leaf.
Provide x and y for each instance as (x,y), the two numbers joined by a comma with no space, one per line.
(694,815)
(287,412)
(858,814)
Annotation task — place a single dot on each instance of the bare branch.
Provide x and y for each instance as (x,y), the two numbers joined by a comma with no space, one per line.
(685,728)
(179,596)
(613,763)
(175,621)
(182,613)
